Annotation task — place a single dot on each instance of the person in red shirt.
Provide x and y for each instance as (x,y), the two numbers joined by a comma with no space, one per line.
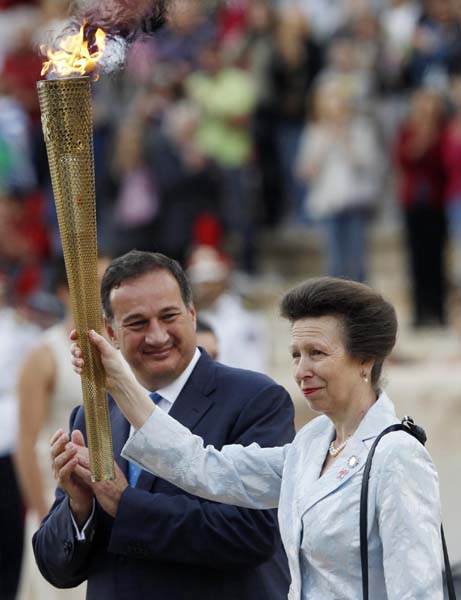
(418,153)
(452,162)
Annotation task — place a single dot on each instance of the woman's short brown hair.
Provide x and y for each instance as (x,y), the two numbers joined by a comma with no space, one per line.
(368,320)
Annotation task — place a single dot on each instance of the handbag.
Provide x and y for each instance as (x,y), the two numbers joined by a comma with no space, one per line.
(409,427)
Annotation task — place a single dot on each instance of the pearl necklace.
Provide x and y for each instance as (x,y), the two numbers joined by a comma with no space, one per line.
(335,451)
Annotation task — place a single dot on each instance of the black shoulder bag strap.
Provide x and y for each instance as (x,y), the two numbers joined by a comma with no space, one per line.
(408,426)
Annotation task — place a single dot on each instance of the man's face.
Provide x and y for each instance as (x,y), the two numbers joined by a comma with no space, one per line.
(153,328)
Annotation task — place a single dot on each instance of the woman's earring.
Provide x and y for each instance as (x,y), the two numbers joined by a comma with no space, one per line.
(364,376)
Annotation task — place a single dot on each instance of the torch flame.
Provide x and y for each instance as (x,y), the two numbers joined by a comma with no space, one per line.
(75,54)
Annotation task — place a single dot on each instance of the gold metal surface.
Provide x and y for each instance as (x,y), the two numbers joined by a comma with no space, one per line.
(67,126)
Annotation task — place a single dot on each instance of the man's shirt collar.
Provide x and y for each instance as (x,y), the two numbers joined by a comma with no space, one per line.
(171,391)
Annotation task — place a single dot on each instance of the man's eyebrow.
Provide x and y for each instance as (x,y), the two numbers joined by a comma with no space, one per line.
(169,308)
(133,316)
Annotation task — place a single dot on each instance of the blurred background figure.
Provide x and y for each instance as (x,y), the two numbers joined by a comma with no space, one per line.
(452,162)
(325,18)
(345,69)
(48,390)
(225,95)
(419,155)
(21,321)
(436,45)
(297,60)
(398,22)
(257,46)
(24,244)
(341,161)
(206,338)
(16,167)
(187,31)
(187,179)
(133,192)
(242,335)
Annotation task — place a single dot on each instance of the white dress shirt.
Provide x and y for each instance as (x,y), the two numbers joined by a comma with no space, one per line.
(170,392)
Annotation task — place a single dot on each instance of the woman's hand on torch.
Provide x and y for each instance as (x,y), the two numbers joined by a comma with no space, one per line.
(114,366)
(132,399)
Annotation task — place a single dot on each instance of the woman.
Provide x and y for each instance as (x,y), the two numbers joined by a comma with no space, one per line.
(419,155)
(341,161)
(452,159)
(295,63)
(341,333)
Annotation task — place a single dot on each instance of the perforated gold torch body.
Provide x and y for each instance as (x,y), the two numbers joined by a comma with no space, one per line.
(68,130)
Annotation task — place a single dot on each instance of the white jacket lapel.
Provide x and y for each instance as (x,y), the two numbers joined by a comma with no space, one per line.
(351,460)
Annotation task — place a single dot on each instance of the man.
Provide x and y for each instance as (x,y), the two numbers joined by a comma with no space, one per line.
(148,539)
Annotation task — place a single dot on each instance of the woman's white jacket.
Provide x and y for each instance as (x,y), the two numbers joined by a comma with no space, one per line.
(319,516)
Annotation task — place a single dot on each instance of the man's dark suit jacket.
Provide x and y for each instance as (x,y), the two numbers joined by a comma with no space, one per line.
(163,543)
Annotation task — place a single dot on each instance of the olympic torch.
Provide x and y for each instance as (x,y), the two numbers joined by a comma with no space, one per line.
(66,110)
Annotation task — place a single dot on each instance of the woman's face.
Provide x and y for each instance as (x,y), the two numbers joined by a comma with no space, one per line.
(327,375)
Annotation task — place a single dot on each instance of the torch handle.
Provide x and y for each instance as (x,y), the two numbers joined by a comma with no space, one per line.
(95,403)
(68,130)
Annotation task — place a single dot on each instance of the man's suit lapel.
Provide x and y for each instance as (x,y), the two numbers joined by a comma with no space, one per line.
(194,400)
(120,434)
(191,405)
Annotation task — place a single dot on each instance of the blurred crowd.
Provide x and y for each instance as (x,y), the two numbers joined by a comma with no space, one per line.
(250,115)
(235,119)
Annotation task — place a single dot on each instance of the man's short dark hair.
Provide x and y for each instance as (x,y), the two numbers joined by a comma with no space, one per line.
(369,321)
(135,264)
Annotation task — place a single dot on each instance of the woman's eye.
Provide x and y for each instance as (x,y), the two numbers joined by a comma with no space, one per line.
(316,352)
(295,355)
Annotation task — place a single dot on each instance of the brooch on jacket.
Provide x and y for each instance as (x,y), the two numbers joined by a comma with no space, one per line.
(352,462)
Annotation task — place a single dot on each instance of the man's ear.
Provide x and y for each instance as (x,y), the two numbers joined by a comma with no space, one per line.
(110,333)
(193,313)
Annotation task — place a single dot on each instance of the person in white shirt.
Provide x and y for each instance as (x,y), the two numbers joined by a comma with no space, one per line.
(242,334)
(19,330)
